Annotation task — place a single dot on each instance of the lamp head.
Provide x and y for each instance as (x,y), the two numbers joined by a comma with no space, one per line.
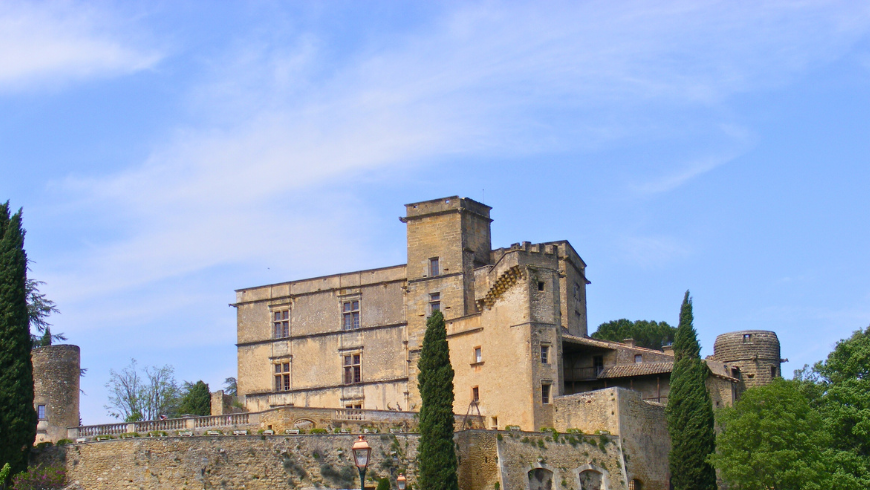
(361,452)
(401,481)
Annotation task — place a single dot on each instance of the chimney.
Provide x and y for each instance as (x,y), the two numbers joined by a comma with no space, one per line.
(668,349)
(630,342)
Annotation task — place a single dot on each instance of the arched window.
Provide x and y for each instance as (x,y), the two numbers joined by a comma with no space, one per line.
(540,479)
(591,480)
(635,485)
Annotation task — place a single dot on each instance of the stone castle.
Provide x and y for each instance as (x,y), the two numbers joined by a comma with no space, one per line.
(544,404)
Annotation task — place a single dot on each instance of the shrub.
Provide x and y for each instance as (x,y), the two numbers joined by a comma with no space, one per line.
(318,430)
(384,484)
(39,478)
(64,442)
(44,444)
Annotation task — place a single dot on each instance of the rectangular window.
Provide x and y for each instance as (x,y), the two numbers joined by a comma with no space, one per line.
(598,364)
(478,354)
(357,406)
(434,267)
(40,412)
(772,371)
(352,372)
(638,358)
(434,302)
(747,338)
(281,324)
(350,315)
(475,394)
(545,393)
(540,286)
(282,376)
(495,423)
(735,373)
(545,354)
(576,291)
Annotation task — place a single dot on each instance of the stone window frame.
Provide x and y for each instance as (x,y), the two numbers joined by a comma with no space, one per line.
(434,266)
(772,371)
(41,412)
(546,392)
(546,349)
(353,406)
(351,367)
(351,309)
(747,338)
(475,394)
(477,355)
(434,302)
(279,318)
(281,369)
(638,358)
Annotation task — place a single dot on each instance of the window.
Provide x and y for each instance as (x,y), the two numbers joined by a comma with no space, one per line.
(478,354)
(598,364)
(434,302)
(495,423)
(540,286)
(352,406)
(352,373)
(475,394)
(281,324)
(545,393)
(282,376)
(576,291)
(735,373)
(635,485)
(40,412)
(747,338)
(434,267)
(545,354)
(772,371)
(638,358)
(350,315)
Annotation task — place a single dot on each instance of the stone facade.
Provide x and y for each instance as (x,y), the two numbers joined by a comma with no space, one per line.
(751,356)
(56,373)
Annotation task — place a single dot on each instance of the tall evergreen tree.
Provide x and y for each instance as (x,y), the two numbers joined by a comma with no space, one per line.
(689,411)
(196,399)
(17,416)
(436,454)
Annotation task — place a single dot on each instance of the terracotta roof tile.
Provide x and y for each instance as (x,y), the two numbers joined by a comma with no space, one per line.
(638,369)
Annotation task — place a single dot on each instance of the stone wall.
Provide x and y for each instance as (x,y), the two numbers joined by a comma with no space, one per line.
(56,375)
(510,460)
(756,353)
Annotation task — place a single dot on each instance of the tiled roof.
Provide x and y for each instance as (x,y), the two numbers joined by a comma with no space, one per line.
(606,344)
(638,369)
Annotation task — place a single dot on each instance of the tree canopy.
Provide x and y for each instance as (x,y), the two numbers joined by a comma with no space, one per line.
(137,396)
(689,410)
(436,454)
(195,399)
(649,334)
(17,415)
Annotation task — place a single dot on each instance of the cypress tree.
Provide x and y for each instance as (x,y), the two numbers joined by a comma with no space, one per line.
(689,411)
(437,470)
(196,400)
(17,416)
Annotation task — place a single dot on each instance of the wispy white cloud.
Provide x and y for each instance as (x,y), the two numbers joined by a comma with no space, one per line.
(277,126)
(49,44)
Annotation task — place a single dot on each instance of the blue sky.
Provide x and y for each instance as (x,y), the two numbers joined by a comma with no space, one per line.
(168,153)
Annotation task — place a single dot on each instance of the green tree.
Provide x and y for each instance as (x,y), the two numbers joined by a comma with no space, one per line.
(39,308)
(17,416)
(772,439)
(689,410)
(649,334)
(142,396)
(383,484)
(231,386)
(195,399)
(436,454)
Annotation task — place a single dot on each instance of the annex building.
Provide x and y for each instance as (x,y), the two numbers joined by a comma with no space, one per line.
(516,326)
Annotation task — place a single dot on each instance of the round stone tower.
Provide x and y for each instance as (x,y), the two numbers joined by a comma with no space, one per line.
(56,373)
(752,356)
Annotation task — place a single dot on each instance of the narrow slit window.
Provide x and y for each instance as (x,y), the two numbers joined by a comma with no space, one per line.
(772,371)
(475,394)
(40,412)
(545,354)
(478,354)
(545,393)
(540,286)
(350,315)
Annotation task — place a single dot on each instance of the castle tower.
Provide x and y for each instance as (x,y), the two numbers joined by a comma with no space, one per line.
(752,356)
(447,239)
(56,373)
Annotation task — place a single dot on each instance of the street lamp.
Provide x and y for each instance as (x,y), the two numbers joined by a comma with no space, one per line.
(401,481)
(361,452)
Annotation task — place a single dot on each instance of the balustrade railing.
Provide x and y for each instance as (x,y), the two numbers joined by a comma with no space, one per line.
(222,420)
(164,425)
(349,414)
(102,430)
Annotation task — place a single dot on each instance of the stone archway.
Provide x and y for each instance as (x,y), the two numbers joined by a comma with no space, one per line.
(590,477)
(303,424)
(540,479)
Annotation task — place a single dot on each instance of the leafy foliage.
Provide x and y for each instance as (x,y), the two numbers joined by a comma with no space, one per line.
(384,484)
(137,396)
(40,478)
(436,454)
(771,438)
(39,308)
(649,334)
(195,399)
(17,416)
(689,410)
(231,386)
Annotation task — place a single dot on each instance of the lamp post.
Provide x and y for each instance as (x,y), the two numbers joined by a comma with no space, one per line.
(401,481)
(361,452)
